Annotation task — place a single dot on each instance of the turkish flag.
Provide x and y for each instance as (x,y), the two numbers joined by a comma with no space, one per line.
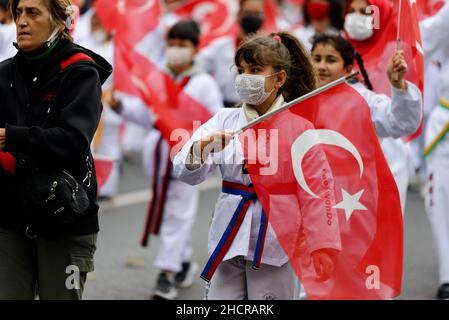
(132,20)
(103,169)
(7,161)
(323,181)
(377,50)
(216,18)
(136,74)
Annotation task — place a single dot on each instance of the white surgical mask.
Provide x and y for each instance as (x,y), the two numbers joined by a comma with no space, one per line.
(251,88)
(179,56)
(359,26)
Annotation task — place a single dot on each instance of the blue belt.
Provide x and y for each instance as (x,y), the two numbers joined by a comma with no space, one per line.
(248,195)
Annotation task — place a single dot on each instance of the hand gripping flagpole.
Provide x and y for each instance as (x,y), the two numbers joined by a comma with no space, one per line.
(296,101)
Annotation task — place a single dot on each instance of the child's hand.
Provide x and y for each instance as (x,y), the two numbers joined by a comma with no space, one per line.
(324,263)
(215,142)
(396,70)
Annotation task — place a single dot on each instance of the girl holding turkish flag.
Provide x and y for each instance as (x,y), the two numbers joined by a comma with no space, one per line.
(246,258)
(334,57)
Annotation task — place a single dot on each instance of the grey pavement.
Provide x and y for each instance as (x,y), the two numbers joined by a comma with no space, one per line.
(121,228)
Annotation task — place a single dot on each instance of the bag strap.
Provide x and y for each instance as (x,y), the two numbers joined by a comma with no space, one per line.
(87,179)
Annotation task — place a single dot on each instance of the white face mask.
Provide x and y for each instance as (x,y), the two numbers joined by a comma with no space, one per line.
(251,88)
(179,56)
(359,26)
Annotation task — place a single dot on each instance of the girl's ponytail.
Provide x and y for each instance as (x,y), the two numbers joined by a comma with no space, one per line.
(301,78)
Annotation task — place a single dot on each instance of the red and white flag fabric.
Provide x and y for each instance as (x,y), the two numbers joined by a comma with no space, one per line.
(131,21)
(138,75)
(175,111)
(270,22)
(217,18)
(326,184)
(103,170)
(428,8)
(377,50)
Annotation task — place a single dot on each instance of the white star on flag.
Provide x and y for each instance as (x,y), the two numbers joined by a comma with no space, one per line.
(350,203)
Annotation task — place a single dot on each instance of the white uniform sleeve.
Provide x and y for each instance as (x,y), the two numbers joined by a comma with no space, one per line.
(200,174)
(434,32)
(399,116)
(134,110)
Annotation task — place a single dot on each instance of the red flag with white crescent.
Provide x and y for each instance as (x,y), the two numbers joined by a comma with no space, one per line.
(217,18)
(136,74)
(132,20)
(324,183)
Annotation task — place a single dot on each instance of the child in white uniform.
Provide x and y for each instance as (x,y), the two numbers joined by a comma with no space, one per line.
(268,75)
(437,190)
(393,118)
(173,219)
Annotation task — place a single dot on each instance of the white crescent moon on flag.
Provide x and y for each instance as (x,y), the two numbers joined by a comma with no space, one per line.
(313,137)
(121,6)
(203,9)
(232,9)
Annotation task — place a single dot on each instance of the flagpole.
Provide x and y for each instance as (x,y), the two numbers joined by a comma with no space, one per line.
(296,101)
(398,39)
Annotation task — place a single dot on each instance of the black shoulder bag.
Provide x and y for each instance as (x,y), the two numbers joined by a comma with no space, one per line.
(52,200)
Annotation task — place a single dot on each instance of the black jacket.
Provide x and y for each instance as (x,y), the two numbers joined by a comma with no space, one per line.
(51,114)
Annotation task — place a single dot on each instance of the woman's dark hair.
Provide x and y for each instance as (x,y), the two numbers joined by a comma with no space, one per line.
(336,13)
(346,50)
(4,4)
(185,30)
(283,52)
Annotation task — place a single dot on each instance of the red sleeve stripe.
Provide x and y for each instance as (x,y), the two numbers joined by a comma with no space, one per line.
(75,58)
